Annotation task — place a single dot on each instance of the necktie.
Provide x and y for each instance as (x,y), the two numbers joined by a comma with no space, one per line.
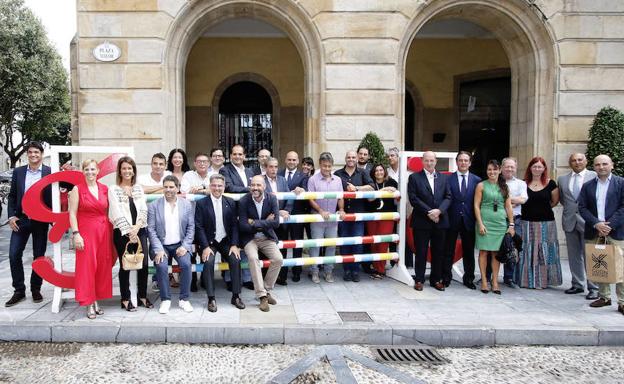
(463,185)
(576,188)
(290,174)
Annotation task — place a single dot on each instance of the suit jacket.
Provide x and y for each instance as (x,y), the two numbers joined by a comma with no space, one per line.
(423,200)
(18,186)
(282,186)
(233,182)
(462,206)
(156,227)
(247,210)
(299,179)
(571,218)
(206,222)
(614,207)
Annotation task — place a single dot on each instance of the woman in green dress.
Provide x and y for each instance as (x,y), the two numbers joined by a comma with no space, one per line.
(494,214)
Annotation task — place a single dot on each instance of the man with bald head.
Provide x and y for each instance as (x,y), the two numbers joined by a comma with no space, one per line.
(430,196)
(258,218)
(573,224)
(601,204)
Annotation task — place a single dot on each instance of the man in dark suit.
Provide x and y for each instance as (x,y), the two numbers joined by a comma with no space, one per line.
(258,217)
(430,197)
(22,226)
(601,204)
(236,175)
(277,183)
(462,185)
(216,228)
(297,182)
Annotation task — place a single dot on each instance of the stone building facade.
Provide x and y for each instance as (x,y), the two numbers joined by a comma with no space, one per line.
(336,69)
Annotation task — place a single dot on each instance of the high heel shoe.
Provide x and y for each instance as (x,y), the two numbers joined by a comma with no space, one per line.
(98,310)
(145,303)
(484,291)
(496,291)
(91,312)
(128,306)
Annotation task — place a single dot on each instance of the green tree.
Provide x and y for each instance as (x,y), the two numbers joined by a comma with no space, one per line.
(606,137)
(375,149)
(34,93)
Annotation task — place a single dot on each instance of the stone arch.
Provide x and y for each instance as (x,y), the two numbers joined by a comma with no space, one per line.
(197,16)
(261,81)
(529,45)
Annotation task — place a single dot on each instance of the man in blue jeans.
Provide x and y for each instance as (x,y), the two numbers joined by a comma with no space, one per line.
(353,179)
(171,229)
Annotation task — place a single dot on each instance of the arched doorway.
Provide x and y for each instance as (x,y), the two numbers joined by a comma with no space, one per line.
(526,46)
(187,34)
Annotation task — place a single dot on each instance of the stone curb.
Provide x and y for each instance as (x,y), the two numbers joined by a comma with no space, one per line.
(439,336)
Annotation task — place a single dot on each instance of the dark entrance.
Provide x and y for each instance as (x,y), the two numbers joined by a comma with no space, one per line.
(484,118)
(410,121)
(245,117)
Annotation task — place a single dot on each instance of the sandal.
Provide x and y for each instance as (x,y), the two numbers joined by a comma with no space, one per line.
(98,310)
(145,303)
(91,312)
(128,306)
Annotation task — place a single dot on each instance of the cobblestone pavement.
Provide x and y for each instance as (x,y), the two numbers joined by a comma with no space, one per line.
(160,363)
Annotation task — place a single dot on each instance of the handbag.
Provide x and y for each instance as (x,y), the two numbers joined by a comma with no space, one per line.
(508,252)
(132,261)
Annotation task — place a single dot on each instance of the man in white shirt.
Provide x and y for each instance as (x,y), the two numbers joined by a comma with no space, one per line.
(152,182)
(197,181)
(573,224)
(216,161)
(393,169)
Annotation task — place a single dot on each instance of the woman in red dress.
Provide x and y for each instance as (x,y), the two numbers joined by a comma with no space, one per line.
(88,218)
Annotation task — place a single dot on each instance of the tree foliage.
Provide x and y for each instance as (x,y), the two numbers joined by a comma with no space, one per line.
(606,137)
(375,149)
(34,94)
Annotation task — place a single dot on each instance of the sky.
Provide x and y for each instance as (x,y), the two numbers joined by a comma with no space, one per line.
(59,19)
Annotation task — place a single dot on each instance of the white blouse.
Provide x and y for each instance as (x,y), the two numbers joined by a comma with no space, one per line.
(119,208)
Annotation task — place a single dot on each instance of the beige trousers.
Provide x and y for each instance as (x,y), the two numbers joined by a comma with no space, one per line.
(270,250)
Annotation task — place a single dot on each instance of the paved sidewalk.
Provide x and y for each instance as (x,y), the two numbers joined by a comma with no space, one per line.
(308,313)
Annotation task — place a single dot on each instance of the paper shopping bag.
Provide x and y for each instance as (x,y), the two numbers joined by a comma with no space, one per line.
(604,262)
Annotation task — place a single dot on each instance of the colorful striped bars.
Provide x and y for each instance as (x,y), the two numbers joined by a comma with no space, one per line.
(338,241)
(301,196)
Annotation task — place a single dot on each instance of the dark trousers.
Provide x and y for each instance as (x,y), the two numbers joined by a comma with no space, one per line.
(290,232)
(39,232)
(124,276)
(423,238)
(468,244)
(349,229)
(209,268)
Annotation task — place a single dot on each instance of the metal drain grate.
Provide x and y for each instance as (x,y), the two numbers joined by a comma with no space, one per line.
(408,354)
(351,317)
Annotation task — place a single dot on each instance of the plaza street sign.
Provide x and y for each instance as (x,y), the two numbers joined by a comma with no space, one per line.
(106,52)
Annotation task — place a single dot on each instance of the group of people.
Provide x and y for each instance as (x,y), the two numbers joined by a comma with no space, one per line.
(480,212)
(108,221)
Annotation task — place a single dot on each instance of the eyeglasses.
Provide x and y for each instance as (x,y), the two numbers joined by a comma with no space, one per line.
(202,161)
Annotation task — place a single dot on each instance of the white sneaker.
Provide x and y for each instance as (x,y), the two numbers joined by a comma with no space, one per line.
(185,306)
(315,277)
(329,277)
(164,307)
(155,287)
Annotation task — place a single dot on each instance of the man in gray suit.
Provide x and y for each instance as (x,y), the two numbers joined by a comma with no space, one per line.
(574,225)
(171,229)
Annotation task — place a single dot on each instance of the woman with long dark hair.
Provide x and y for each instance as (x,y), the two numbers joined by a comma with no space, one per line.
(177,163)
(494,215)
(539,265)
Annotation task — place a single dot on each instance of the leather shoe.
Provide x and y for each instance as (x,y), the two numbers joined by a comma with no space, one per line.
(16,298)
(264,304)
(271,299)
(296,278)
(212,305)
(237,302)
(601,302)
(439,286)
(37,298)
(248,285)
(418,286)
(447,284)
(621,308)
(470,285)
(574,290)
(281,282)
(511,284)
(592,295)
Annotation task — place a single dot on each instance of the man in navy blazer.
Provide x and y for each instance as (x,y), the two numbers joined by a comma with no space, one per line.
(461,216)
(297,182)
(277,183)
(22,226)
(258,217)
(216,229)
(601,204)
(171,230)
(430,197)
(236,175)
